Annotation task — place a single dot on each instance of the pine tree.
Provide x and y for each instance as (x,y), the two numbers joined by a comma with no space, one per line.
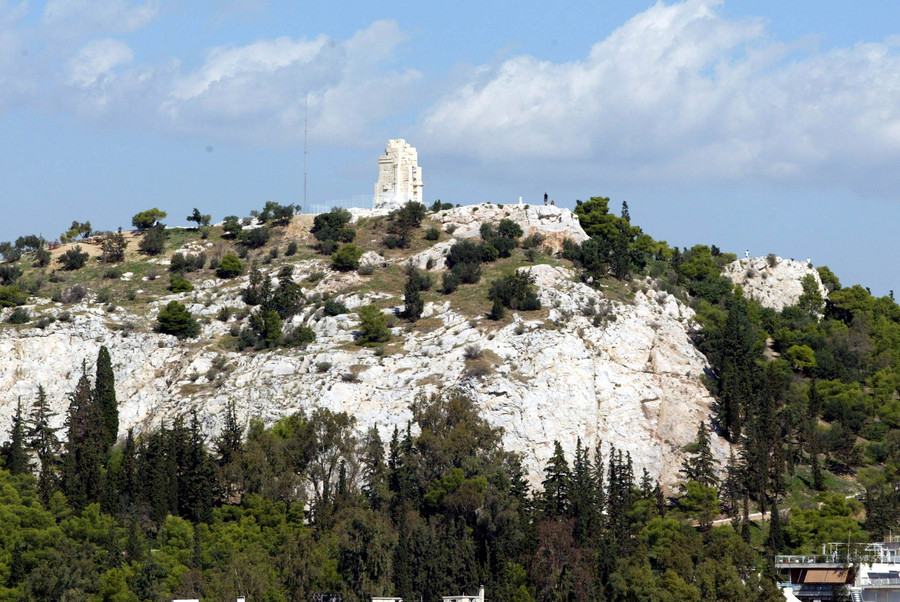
(105,397)
(15,455)
(700,465)
(556,484)
(42,439)
(625,214)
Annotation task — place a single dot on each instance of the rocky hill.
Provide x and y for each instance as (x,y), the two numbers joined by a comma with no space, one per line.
(772,281)
(614,364)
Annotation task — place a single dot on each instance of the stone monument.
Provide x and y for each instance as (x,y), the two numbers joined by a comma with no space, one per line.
(399,176)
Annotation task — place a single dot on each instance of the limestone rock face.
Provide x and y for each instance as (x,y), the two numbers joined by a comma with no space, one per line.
(774,283)
(624,373)
(554,223)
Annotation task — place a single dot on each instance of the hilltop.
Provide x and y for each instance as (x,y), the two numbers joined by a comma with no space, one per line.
(613,363)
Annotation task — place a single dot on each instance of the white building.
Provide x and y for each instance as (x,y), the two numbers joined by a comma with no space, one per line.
(399,176)
(478,598)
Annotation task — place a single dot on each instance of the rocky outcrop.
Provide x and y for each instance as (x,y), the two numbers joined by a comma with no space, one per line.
(554,223)
(622,373)
(772,281)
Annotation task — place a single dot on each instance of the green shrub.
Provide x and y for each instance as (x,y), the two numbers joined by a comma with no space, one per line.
(392,242)
(187,263)
(449,283)
(334,308)
(278,214)
(332,227)
(439,206)
(73,259)
(9,274)
(346,258)
(255,238)
(113,245)
(464,260)
(178,284)
(175,319)
(497,310)
(19,316)
(516,291)
(232,227)
(373,328)
(229,267)
(534,241)
(300,336)
(432,233)
(10,252)
(401,224)
(72,294)
(291,249)
(42,257)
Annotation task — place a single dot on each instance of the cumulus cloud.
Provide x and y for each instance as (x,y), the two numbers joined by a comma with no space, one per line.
(261,91)
(258,92)
(678,92)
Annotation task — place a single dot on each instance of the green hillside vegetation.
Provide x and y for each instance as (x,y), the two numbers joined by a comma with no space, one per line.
(809,396)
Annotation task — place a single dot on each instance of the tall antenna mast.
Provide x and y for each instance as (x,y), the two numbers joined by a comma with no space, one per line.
(305,137)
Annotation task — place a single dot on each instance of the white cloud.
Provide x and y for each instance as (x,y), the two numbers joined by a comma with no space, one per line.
(252,93)
(98,16)
(258,92)
(679,93)
(94,63)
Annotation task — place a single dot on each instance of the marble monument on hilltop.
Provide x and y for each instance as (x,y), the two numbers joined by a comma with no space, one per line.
(399,176)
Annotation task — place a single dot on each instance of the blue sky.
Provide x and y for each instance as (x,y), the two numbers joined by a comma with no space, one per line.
(768,126)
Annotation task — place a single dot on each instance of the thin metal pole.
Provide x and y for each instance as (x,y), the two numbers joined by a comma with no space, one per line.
(305,138)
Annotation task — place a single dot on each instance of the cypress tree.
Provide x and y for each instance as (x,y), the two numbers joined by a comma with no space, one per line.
(228,443)
(583,506)
(128,483)
(375,485)
(15,456)
(412,295)
(621,257)
(83,458)
(105,397)
(556,484)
